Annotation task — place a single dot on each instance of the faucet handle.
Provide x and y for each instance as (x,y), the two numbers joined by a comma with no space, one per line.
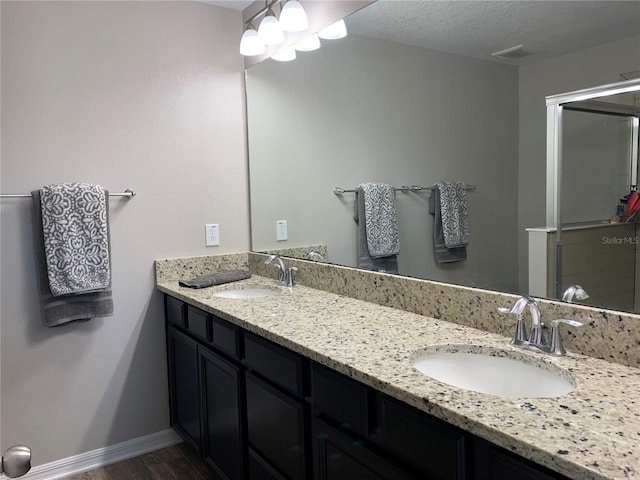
(520,332)
(289,276)
(555,342)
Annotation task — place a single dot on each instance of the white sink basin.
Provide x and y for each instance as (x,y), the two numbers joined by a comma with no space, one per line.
(242,293)
(490,371)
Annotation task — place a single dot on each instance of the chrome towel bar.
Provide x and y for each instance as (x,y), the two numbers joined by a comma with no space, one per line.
(404,188)
(127,193)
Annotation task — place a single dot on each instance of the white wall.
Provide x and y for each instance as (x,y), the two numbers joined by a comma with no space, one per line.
(362,109)
(142,95)
(587,68)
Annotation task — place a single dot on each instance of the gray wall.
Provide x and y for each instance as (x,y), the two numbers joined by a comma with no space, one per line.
(147,95)
(587,68)
(361,110)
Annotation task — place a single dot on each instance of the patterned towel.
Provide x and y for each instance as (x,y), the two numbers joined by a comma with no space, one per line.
(380,218)
(76,237)
(453,206)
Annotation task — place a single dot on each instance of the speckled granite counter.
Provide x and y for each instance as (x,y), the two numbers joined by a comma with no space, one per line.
(592,433)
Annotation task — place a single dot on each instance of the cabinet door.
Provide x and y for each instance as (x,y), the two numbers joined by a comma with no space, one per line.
(275,428)
(222,415)
(183,386)
(338,456)
(425,443)
(495,463)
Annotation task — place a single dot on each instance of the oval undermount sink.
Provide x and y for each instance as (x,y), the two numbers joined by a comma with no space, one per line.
(242,293)
(495,372)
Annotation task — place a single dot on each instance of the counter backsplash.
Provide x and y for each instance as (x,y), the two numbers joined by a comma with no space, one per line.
(606,334)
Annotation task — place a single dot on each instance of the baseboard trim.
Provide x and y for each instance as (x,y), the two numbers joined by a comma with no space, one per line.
(102,456)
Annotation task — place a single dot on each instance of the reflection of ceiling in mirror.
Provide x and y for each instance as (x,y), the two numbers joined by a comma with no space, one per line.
(478,28)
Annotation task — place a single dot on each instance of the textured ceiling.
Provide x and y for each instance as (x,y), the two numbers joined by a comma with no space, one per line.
(478,28)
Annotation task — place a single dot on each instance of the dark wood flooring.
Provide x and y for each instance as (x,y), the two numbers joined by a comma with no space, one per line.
(178,462)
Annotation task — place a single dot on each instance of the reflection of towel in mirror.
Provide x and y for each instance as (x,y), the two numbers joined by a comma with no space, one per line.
(448,204)
(73,294)
(215,278)
(378,240)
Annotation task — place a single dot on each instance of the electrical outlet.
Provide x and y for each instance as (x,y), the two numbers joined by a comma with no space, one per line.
(281,230)
(212,234)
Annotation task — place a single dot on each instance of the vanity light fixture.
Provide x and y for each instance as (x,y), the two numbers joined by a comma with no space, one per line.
(270,31)
(285,55)
(334,31)
(293,18)
(250,44)
(309,44)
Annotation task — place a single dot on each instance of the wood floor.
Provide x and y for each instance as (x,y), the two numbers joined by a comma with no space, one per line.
(178,462)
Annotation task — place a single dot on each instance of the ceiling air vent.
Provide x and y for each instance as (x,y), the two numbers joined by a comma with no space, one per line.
(511,52)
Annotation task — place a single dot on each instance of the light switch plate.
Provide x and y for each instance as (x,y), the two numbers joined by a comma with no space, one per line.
(281,230)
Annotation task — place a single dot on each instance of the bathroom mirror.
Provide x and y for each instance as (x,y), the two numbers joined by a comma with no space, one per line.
(370,107)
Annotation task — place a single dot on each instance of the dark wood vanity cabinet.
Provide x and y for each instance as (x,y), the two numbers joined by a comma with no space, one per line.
(258,411)
(206,386)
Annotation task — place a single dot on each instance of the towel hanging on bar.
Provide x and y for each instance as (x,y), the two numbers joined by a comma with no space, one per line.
(72,252)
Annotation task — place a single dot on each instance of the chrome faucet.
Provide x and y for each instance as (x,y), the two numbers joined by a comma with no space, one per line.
(574,291)
(284,275)
(553,345)
(313,255)
(520,334)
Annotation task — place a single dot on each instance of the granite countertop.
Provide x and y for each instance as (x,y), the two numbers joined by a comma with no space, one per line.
(591,433)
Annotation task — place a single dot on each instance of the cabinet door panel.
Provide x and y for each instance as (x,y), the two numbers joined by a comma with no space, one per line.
(183,378)
(337,456)
(339,398)
(260,470)
(426,443)
(495,463)
(221,397)
(275,427)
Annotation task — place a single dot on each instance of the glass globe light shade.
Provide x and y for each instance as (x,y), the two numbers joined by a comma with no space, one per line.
(293,18)
(250,44)
(312,42)
(285,55)
(334,31)
(270,32)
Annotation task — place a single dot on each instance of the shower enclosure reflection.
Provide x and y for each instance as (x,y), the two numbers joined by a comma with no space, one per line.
(596,164)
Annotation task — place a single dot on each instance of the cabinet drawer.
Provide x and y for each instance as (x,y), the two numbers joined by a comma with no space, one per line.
(226,337)
(199,323)
(339,398)
(274,362)
(174,311)
(424,442)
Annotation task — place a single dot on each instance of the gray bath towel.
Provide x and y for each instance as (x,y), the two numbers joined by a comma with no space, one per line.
(450,227)
(388,263)
(216,278)
(62,309)
(76,237)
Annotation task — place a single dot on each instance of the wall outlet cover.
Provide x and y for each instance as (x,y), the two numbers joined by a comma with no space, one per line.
(212,234)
